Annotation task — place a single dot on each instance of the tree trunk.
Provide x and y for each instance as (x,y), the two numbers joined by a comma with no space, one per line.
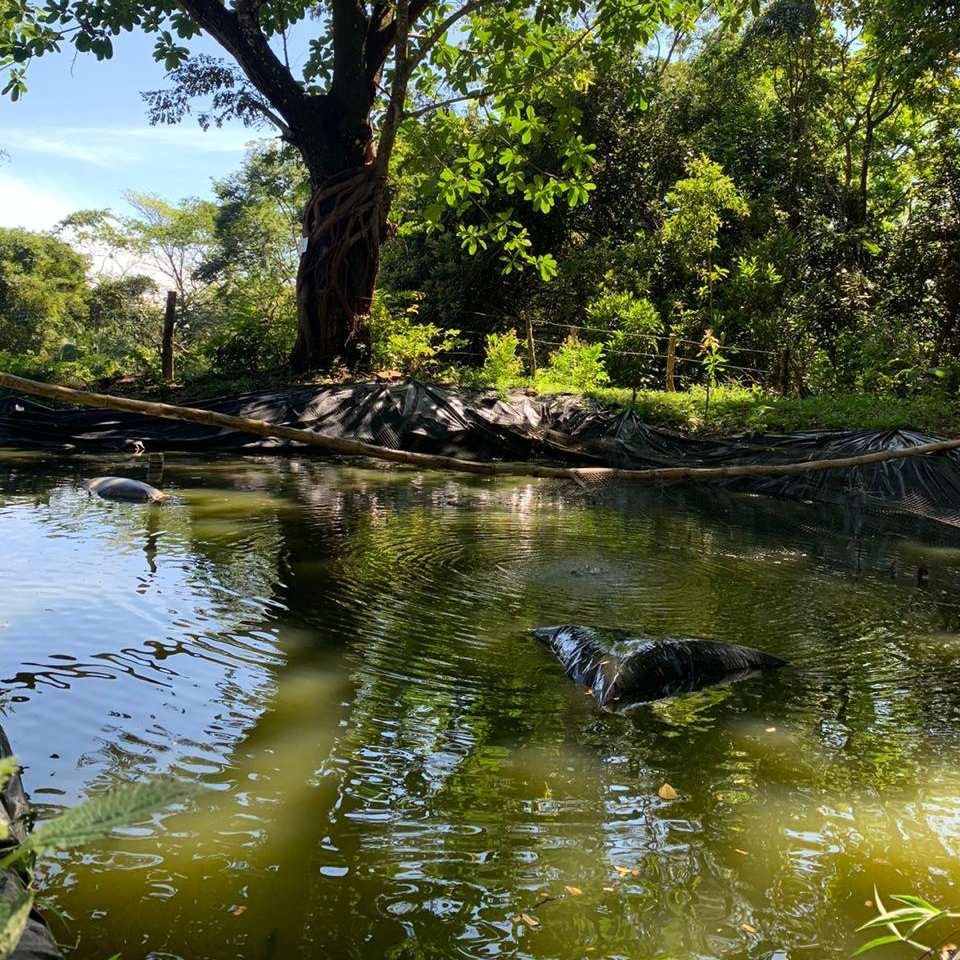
(343,228)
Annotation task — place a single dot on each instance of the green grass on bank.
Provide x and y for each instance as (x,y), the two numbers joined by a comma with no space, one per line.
(735,409)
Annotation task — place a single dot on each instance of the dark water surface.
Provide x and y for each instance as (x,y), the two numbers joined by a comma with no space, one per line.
(395,769)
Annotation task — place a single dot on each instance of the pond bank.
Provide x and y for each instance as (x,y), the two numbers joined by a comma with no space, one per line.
(36,941)
(732,409)
(559,437)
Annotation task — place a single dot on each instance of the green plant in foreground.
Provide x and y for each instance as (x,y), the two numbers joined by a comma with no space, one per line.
(904,923)
(91,820)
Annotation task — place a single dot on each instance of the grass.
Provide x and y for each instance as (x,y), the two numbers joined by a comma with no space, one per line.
(735,409)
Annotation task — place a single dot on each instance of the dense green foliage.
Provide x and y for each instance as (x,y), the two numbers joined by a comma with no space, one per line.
(788,183)
(43,291)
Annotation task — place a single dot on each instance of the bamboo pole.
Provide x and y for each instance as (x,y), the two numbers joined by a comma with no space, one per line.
(358,448)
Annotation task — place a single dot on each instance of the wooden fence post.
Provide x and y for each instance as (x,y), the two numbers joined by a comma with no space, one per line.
(671,361)
(785,371)
(532,354)
(166,347)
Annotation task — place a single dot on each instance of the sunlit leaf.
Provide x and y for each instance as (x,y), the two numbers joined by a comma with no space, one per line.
(13,921)
(100,816)
(878,942)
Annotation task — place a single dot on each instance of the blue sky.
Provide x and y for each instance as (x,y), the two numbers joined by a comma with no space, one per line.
(80,138)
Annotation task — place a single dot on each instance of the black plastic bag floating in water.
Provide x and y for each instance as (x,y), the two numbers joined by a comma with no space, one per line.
(426,418)
(623,669)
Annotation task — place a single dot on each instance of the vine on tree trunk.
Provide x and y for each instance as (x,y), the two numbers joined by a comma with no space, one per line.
(344,224)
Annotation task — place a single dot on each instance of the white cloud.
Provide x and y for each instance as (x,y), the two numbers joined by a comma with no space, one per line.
(33,207)
(189,136)
(30,205)
(66,147)
(123,146)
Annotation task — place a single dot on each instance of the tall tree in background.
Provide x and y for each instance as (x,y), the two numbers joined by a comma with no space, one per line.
(373,65)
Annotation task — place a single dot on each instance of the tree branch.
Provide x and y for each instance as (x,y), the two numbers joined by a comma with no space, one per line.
(383,33)
(398,88)
(437,33)
(477,94)
(271,116)
(239,33)
(350,27)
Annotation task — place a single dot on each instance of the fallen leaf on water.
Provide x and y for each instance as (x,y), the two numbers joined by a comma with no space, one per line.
(528,920)
(771,729)
(742,853)
(868,904)
(623,871)
(666,792)
(239,911)
(634,872)
(746,928)
(573,891)
(609,889)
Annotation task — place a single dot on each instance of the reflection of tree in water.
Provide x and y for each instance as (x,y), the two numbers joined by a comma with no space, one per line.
(430,745)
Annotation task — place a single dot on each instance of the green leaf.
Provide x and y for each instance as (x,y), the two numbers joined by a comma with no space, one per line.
(13,921)
(8,769)
(878,942)
(919,902)
(100,816)
(903,915)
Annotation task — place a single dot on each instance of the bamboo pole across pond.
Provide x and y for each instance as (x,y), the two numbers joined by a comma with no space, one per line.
(486,468)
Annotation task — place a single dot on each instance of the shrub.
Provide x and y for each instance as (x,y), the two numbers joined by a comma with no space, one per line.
(250,345)
(576,366)
(501,365)
(634,326)
(398,342)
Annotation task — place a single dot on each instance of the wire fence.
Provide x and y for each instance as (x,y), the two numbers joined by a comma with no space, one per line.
(654,359)
(634,358)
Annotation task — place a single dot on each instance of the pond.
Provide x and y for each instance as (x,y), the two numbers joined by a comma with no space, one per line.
(394,768)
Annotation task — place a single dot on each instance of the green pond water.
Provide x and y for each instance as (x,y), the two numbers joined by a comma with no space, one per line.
(395,769)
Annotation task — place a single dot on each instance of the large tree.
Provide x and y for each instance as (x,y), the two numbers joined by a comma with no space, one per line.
(373,66)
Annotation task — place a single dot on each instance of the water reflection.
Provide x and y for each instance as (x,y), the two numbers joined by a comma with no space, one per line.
(397,770)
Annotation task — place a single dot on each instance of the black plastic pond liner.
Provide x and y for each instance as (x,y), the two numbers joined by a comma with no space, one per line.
(622,670)
(415,416)
(37,943)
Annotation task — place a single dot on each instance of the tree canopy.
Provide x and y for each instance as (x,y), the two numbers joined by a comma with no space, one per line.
(374,67)
(790,180)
